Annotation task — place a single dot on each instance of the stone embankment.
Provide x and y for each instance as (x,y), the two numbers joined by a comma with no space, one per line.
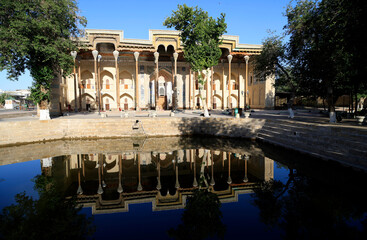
(346,144)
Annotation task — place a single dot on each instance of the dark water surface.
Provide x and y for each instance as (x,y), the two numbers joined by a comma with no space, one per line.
(199,188)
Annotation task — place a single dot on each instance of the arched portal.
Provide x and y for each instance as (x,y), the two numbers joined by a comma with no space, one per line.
(106,80)
(164,90)
(108,102)
(87,80)
(217,101)
(88,102)
(127,101)
(234,101)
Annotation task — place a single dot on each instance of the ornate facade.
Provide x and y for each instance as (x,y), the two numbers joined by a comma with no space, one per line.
(114,73)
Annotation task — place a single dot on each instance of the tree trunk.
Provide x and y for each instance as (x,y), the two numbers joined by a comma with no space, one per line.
(203,182)
(206,112)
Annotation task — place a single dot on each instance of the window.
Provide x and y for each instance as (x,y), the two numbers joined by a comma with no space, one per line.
(107,84)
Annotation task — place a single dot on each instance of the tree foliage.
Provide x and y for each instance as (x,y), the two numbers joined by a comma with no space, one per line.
(201,219)
(3,97)
(49,217)
(200,35)
(36,35)
(325,49)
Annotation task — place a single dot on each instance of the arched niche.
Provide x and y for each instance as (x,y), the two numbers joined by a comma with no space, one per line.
(106,80)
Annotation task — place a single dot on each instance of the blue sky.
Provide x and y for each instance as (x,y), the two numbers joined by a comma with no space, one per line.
(249,19)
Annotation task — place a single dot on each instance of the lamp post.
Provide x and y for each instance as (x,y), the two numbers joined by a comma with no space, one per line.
(229,80)
(73,54)
(246,87)
(95,55)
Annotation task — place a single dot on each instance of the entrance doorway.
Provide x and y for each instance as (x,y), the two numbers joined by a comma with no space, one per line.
(126,105)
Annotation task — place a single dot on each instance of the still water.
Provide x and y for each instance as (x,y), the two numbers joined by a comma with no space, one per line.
(178,188)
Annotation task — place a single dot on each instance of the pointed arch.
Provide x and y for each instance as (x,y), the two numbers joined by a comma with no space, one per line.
(87,79)
(218,96)
(88,101)
(165,74)
(217,101)
(234,81)
(126,95)
(234,101)
(126,80)
(87,95)
(106,79)
(108,95)
(127,101)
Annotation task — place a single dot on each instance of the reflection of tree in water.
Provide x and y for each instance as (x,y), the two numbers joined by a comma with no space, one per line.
(306,208)
(201,218)
(49,217)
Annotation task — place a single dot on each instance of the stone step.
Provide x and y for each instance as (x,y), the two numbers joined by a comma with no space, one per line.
(309,143)
(351,140)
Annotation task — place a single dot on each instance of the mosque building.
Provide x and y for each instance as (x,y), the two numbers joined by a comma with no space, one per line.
(113,73)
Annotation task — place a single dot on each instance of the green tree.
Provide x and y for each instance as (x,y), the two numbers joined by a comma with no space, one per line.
(326,46)
(201,37)
(274,60)
(49,217)
(37,35)
(3,97)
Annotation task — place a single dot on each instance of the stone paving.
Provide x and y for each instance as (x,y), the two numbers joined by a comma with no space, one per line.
(301,115)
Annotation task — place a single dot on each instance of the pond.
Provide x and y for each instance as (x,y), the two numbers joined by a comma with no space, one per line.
(177,188)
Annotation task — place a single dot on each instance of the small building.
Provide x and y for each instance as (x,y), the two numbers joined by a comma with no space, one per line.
(11,103)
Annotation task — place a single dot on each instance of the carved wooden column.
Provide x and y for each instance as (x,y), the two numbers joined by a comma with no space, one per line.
(207,88)
(211,88)
(137,107)
(223,85)
(116,55)
(190,90)
(246,81)
(80,88)
(156,56)
(229,79)
(239,86)
(175,95)
(73,54)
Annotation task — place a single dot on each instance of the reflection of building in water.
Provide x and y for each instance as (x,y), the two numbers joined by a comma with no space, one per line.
(110,182)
